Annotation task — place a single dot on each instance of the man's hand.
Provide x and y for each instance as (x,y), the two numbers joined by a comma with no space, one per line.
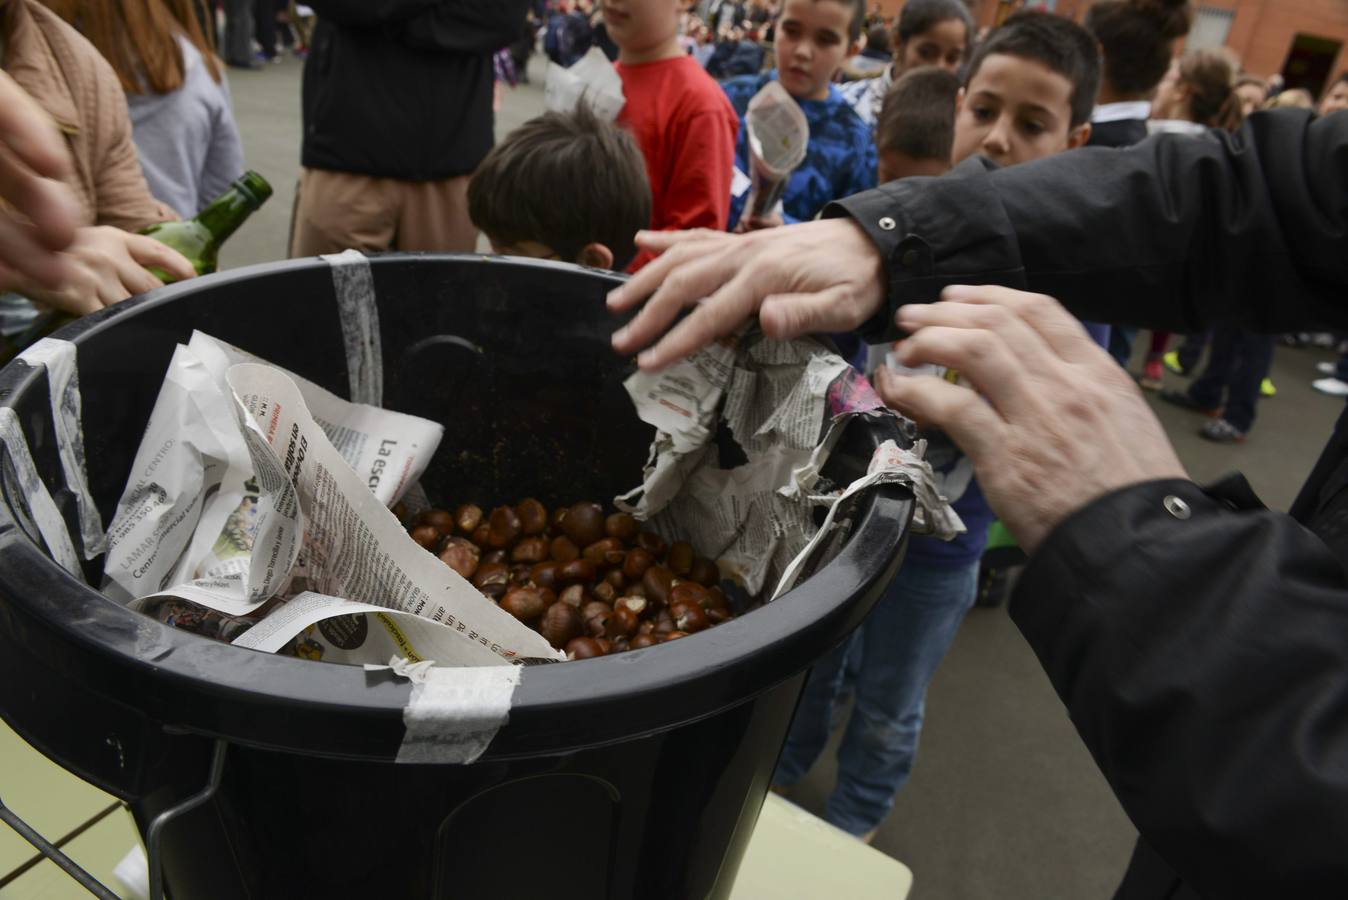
(816,276)
(38,214)
(106,265)
(1058,423)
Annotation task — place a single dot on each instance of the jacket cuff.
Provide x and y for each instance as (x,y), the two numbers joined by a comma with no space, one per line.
(1077,566)
(932,233)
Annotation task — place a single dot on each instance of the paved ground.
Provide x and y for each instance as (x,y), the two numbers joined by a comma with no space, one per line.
(1004,801)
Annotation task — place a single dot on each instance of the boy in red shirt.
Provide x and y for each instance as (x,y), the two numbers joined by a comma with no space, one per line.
(682,121)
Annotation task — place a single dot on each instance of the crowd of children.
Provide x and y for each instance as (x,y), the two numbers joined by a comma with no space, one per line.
(678,157)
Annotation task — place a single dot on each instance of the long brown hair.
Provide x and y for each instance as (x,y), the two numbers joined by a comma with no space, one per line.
(139,38)
(1210,76)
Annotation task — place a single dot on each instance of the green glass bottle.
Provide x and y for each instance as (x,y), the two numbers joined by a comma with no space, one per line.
(199,239)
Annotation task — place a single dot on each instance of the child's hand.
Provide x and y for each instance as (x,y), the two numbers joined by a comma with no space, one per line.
(758,223)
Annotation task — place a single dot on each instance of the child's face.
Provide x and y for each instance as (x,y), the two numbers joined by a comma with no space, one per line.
(943,44)
(1015,110)
(811,45)
(1251,97)
(640,26)
(1336,99)
(894,165)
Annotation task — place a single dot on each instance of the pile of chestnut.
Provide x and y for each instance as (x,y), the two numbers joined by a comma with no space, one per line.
(590,583)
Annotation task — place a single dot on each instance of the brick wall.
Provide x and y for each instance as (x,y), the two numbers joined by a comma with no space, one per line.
(1261,32)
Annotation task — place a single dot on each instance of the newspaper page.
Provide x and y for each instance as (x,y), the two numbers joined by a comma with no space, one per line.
(319,627)
(778,134)
(191,444)
(785,403)
(192,508)
(354,547)
(391,449)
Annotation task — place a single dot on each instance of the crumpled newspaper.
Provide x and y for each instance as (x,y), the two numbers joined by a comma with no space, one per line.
(744,429)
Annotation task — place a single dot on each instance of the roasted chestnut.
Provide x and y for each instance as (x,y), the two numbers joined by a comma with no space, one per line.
(503,526)
(561,622)
(530,550)
(584,523)
(621,526)
(524,603)
(583,648)
(468,517)
(461,555)
(533,516)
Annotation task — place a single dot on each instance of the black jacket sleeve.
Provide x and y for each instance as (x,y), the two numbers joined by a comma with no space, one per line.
(1199,641)
(1176,233)
(1201,648)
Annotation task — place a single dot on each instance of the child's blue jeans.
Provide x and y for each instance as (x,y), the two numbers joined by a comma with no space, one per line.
(901,643)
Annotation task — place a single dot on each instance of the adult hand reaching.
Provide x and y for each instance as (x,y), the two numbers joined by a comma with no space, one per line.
(1052,422)
(106,265)
(816,276)
(38,214)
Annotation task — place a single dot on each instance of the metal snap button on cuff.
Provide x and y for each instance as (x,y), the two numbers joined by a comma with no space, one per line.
(887,224)
(1176,507)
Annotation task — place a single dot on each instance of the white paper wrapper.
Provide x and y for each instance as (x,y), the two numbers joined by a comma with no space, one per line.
(778,136)
(591,80)
(783,405)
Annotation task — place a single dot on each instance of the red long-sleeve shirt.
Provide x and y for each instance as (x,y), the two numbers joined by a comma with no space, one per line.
(686,129)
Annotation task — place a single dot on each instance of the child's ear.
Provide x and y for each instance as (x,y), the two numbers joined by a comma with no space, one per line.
(853,49)
(1078,136)
(596,256)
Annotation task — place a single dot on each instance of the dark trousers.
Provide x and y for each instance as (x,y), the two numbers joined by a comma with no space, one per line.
(1191,351)
(1121,343)
(1239,361)
(264,25)
(238,32)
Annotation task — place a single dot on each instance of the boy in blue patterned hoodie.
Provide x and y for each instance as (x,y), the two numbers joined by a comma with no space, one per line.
(813,39)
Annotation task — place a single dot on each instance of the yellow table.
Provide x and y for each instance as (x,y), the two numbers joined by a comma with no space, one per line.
(792,855)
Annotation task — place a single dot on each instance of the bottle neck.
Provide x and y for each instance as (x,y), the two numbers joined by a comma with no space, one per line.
(226,213)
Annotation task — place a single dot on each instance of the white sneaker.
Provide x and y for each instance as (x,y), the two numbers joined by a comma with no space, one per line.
(1326,367)
(1331,386)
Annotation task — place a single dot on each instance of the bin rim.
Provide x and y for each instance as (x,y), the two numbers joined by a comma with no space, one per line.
(189,683)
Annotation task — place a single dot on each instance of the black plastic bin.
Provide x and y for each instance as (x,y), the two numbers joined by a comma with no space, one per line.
(639,775)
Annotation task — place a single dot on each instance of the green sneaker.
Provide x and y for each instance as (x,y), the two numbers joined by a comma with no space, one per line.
(1171,360)
(1266,388)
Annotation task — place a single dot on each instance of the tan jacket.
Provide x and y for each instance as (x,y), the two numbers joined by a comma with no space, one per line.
(76,86)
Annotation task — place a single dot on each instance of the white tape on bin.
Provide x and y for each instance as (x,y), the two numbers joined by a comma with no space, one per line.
(454,713)
(63,385)
(37,500)
(353,284)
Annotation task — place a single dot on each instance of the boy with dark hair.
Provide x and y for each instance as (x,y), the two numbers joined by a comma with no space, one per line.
(1028,94)
(563,186)
(915,133)
(813,40)
(682,121)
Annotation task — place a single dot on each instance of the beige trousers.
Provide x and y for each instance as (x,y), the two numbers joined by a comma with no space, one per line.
(335,211)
